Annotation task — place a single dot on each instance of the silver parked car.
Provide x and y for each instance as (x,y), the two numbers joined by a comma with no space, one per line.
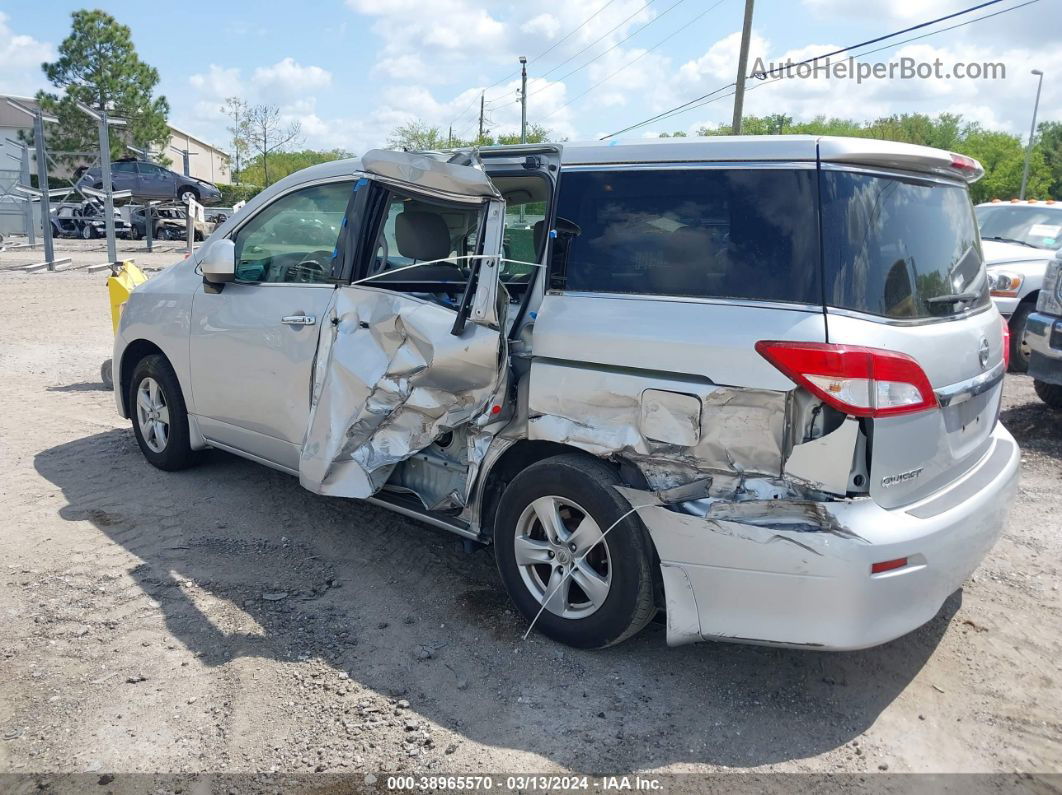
(1020,238)
(750,382)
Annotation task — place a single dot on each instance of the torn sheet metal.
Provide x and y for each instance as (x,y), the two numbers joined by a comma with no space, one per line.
(674,431)
(389,379)
(826,463)
(429,171)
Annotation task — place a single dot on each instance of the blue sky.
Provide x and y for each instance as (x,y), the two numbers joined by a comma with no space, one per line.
(351,71)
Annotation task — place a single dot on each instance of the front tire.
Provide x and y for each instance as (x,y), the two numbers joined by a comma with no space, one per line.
(1019,351)
(549,548)
(160,419)
(185,193)
(1051,394)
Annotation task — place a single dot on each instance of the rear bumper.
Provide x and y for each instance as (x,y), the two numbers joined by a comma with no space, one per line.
(800,574)
(1043,334)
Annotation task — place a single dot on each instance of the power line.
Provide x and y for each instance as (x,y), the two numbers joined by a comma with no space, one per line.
(610,49)
(559,41)
(694,102)
(866,53)
(571,32)
(635,60)
(599,39)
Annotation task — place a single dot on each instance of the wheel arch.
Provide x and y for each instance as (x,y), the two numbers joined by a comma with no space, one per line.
(525,452)
(133,353)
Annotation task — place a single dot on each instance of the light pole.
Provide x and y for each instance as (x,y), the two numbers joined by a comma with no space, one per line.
(1032,133)
(523,100)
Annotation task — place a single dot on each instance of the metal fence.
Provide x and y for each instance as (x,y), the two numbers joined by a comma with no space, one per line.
(12,211)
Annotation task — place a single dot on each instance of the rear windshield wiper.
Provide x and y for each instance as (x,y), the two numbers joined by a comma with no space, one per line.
(953,298)
(1011,240)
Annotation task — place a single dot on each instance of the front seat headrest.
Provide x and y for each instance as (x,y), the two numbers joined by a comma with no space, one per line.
(422,236)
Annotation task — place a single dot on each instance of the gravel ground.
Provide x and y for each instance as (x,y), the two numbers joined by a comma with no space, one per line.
(223,619)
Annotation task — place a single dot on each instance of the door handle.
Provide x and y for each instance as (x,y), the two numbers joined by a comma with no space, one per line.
(298,320)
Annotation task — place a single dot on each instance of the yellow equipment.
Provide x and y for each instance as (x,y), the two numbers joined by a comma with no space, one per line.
(126,277)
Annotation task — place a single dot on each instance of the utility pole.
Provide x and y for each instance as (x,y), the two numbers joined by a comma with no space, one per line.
(523,99)
(743,63)
(1032,134)
(479,140)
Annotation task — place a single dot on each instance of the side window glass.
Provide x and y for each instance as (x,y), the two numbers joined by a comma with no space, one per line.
(713,233)
(419,231)
(293,239)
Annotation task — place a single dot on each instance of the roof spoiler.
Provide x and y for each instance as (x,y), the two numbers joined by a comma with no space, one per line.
(903,157)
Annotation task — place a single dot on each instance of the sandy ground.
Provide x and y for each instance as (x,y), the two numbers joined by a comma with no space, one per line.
(224,619)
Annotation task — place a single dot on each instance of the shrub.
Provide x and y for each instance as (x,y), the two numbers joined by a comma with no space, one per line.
(230,194)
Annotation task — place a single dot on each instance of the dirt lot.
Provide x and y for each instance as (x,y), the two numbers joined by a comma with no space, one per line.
(224,619)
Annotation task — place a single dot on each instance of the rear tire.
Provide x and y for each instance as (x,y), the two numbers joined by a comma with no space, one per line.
(1019,352)
(617,572)
(160,419)
(1051,394)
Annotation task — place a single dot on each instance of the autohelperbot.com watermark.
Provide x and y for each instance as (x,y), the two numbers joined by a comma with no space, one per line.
(904,68)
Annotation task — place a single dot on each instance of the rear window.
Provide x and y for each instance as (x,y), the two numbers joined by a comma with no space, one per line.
(899,247)
(712,233)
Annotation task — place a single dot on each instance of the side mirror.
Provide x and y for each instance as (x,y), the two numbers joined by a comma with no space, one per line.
(219,261)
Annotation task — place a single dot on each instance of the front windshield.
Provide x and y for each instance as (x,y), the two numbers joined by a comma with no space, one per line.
(1031,225)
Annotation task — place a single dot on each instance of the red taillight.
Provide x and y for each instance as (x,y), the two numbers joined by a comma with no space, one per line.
(1006,344)
(863,382)
(887,565)
(962,162)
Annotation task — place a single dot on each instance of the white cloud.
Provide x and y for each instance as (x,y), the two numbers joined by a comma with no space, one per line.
(286,79)
(21,57)
(421,38)
(544,24)
(218,82)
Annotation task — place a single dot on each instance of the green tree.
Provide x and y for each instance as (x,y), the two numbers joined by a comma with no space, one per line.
(283,163)
(1050,146)
(419,136)
(268,135)
(536,134)
(1003,158)
(99,67)
(238,112)
(416,136)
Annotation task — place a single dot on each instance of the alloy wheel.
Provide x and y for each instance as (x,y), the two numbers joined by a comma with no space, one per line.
(562,557)
(152,415)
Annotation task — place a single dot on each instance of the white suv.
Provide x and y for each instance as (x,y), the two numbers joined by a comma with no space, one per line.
(751,382)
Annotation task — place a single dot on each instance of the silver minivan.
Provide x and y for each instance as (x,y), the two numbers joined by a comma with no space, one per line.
(751,383)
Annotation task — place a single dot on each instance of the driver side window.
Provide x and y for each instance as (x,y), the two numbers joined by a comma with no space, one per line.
(293,239)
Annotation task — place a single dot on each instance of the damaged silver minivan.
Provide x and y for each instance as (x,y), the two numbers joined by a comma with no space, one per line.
(751,382)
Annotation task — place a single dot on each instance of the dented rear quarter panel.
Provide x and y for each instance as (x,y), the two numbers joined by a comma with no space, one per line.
(673,385)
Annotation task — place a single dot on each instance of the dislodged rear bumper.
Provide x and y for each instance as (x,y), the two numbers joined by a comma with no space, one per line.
(799,574)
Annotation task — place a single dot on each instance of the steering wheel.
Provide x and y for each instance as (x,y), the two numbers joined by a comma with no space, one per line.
(308,270)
